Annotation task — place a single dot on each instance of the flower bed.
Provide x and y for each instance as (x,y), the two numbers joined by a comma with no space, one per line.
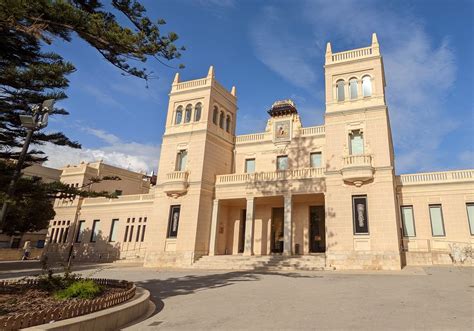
(23,303)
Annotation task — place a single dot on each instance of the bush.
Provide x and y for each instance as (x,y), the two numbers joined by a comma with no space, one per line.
(82,289)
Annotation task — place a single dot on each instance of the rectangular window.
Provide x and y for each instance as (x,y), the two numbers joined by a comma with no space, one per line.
(95,230)
(408,221)
(80,230)
(437,224)
(470,217)
(282,162)
(126,234)
(138,233)
(56,236)
(131,234)
(113,230)
(173,221)
(66,232)
(315,160)
(356,142)
(143,233)
(181,160)
(359,214)
(52,235)
(60,239)
(250,166)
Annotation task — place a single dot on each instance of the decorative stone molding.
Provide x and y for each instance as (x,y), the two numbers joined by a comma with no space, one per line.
(176,183)
(357,169)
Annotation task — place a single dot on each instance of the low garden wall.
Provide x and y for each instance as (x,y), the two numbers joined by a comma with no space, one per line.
(15,254)
(69,311)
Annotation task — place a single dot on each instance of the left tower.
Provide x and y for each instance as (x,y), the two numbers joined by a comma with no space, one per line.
(198,144)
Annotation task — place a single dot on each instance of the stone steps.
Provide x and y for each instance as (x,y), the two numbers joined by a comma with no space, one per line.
(269,262)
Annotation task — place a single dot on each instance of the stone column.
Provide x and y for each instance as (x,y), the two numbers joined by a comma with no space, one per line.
(214,224)
(287,231)
(248,248)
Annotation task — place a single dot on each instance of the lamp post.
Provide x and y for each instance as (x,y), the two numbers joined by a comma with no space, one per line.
(32,123)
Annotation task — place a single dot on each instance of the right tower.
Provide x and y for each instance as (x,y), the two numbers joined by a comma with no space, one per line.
(361,209)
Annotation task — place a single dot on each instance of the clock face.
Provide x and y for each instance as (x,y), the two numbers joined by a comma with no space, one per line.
(282,130)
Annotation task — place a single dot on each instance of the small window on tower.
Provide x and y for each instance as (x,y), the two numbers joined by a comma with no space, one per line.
(179,115)
(353,88)
(356,138)
(215,114)
(181,160)
(228,122)
(187,114)
(197,112)
(221,120)
(366,86)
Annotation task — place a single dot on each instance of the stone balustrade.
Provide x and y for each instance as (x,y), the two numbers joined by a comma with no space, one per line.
(357,160)
(352,54)
(191,84)
(176,183)
(253,137)
(177,175)
(119,199)
(312,131)
(292,174)
(437,177)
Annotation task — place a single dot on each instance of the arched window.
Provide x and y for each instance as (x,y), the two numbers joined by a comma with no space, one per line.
(221,120)
(366,86)
(197,112)
(187,113)
(340,90)
(228,123)
(179,115)
(353,88)
(215,114)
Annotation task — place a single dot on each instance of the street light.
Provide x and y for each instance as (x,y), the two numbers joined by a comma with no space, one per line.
(32,123)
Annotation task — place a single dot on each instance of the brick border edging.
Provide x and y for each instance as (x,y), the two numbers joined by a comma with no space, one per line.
(69,311)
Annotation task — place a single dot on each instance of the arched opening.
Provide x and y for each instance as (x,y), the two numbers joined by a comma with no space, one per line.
(197,112)
(214,115)
(340,90)
(353,88)
(366,86)
(187,113)
(179,115)
(228,123)
(221,120)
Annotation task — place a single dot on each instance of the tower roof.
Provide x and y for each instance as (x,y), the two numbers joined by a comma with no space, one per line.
(282,107)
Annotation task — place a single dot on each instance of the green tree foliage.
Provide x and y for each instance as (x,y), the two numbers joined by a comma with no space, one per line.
(29,75)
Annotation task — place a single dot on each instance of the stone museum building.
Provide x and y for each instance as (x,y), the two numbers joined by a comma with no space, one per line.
(292,196)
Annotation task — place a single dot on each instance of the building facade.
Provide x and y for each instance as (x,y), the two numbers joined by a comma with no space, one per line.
(327,191)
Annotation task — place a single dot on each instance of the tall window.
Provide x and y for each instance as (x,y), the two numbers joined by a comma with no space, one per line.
(315,159)
(470,217)
(408,221)
(215,114)
(340,90)
(227,123)
(359,214)
(221,120)
(179,115)
(173,221)
(126,234)
(95,230)
(80,230)
(181,159)
(282,162)
(356,142)
(138,233)
(353,88)
(143,232)
(187,113)
(66,232)
(197,112)
(366,86)
(437,224)
(113,230)
(250,166)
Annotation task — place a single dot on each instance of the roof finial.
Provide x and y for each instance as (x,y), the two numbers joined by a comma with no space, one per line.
(374,39)
(210,73)
(176,78)
(233,91)
(328,48)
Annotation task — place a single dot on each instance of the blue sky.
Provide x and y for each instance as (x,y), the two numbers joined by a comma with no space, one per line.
(275,50)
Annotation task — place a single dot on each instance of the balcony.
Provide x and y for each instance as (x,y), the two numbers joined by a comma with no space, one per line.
(176,183)
(301,180)
(357,169)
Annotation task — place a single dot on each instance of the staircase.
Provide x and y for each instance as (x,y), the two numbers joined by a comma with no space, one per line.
(311,262)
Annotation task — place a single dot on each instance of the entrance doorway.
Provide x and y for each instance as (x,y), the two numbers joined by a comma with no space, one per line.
(243,219)
(276,244)
(317,239)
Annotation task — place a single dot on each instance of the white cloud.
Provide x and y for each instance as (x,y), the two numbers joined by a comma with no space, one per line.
(419,72)
(129,155)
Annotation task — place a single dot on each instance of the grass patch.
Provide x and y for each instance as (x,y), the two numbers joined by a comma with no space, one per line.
(81,289)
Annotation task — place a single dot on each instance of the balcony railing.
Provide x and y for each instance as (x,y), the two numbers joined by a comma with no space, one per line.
(303,173)
(247,138)
(191,84)
(357,160)
(177,175)
(313,131)
(437,177)
(176,183)
(352,54)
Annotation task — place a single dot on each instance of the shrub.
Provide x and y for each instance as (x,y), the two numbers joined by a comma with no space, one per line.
(82,289)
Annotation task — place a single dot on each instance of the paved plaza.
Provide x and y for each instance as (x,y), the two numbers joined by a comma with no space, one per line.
(414,298)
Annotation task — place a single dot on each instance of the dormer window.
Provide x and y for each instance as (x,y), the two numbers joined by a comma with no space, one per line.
(353,88)
(179,115)
(340,90)
(366,86)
